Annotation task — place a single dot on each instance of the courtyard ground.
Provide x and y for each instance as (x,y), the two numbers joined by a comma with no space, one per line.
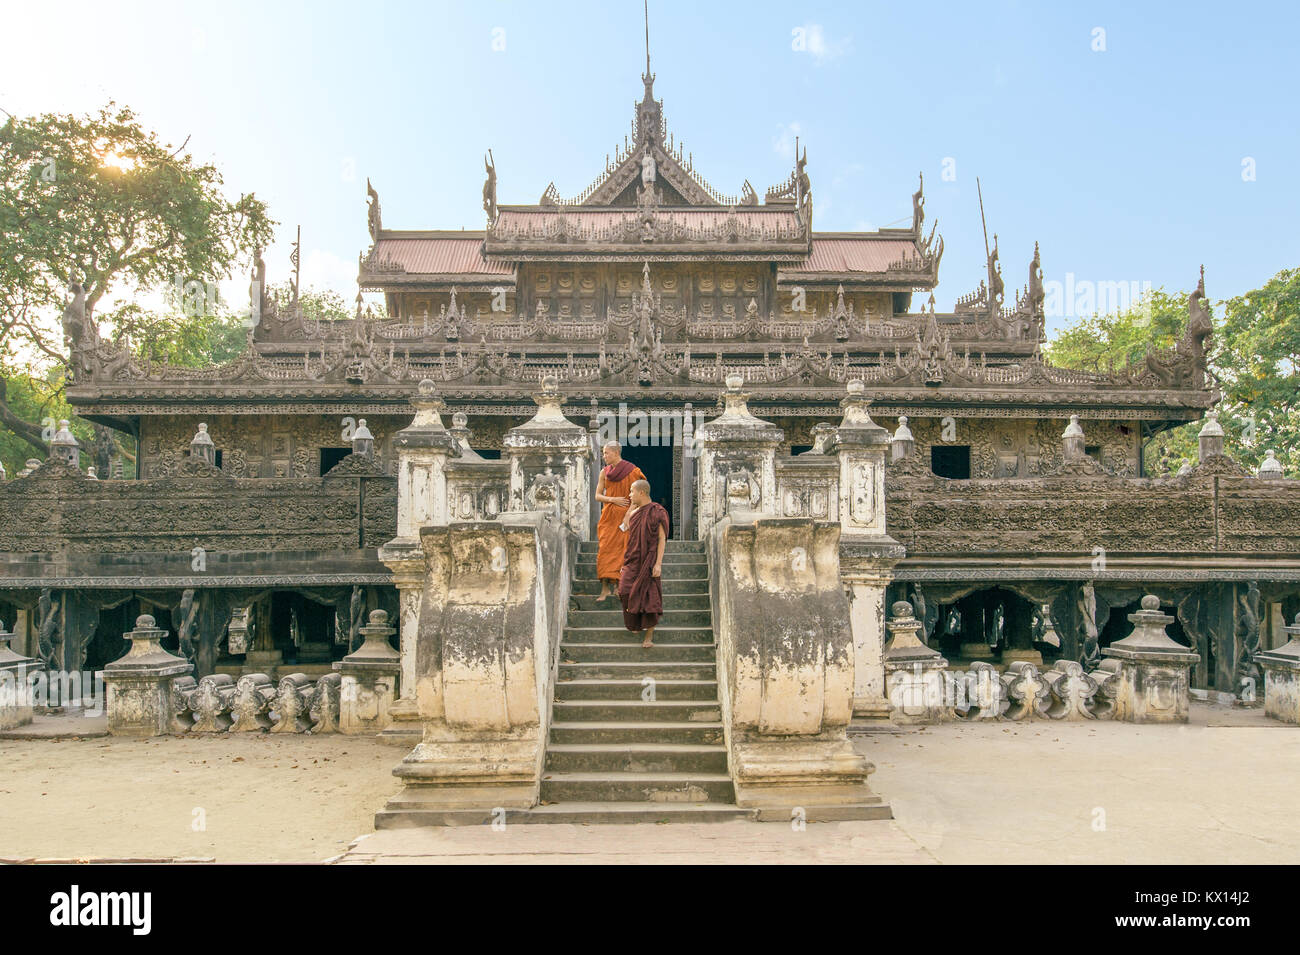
(1222,789)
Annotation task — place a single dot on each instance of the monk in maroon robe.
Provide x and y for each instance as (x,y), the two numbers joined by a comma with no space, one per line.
(639,586)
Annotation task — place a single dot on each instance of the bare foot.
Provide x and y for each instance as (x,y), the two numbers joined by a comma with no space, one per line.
(648,642)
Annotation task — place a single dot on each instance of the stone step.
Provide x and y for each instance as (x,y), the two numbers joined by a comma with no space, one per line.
(673,601)
(614,618)
(671,571)
(636,732)
(610,651)
(671,547)
(611,634)
(568,813)
(703,690)
(636,670)
(591,587)
(685,560)
(637,710)
(637,787)
(638,757)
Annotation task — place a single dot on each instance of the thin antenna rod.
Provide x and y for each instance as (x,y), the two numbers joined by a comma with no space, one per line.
(982,222)
(647,37)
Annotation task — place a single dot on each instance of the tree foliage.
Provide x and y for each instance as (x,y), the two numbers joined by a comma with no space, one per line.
(1254,355)
(100,200)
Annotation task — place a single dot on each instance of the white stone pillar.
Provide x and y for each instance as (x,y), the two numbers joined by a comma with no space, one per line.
(550,463)
(737,462)
(867,553)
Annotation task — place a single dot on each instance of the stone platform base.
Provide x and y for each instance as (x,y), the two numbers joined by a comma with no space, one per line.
(605,813)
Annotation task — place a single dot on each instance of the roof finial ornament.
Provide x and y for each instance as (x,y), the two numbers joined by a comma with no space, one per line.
(490,187)
(647,42)
(918,205)
(372,216)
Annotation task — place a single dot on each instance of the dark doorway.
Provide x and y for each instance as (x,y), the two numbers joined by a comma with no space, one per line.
(656,463)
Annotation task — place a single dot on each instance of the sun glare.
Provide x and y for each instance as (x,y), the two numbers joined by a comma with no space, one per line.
(124,163)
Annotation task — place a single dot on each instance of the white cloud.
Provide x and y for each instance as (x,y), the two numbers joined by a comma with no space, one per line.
(783,141)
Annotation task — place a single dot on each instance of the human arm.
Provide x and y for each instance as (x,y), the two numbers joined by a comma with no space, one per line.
(659,558)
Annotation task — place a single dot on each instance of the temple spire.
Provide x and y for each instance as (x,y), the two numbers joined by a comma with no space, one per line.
(647,39)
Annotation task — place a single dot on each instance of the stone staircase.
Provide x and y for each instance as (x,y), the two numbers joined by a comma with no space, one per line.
(636,734)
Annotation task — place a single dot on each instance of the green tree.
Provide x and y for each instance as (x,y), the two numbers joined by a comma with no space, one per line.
(1257,360)
(1254,355)
(100,200)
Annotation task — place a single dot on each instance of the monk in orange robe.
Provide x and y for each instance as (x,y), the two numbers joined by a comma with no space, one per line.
(612,490)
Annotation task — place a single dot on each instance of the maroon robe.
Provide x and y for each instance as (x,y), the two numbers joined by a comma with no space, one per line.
(640,591)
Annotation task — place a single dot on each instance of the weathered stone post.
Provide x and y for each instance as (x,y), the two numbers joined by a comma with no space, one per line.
(369,684)
(64,447)
(1153,679)
(737,461)
(550,463)
(1282,677)
(689,455)
(139,684)
(1270,469)
(1210,440)
(902,444)
(15,687)
(914,673)
(867,553)
(423,448)
(202,448)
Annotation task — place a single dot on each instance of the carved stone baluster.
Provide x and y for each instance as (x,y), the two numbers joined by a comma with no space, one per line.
(292,702)
(252,698)
(325,704)
(210,703)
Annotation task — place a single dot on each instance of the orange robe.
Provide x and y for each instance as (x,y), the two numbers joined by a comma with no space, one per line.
(613,542)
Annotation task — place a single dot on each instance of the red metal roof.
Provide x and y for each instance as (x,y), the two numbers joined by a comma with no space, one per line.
(854,254)
(449,255)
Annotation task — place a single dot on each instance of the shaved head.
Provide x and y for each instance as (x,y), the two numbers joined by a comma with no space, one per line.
(642,486)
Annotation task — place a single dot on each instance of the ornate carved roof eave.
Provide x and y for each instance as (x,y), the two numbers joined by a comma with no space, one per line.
(494,388)
(854,281)
(464,281)
(650,251)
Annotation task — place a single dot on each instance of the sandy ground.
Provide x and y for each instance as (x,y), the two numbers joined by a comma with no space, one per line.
(1222,789)
(262,798)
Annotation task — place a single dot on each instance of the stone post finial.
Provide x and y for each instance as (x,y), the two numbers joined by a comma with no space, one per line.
(1271,468)
(92,474)
(363,442)
(64,447)
(1073,440)
(855,406)
(3,474)
(902,443)
(202,448)
(1211,436)
(429,408)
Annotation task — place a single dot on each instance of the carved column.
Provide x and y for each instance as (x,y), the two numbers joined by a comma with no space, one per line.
(867,553)
(1153,681)
(1282,677)
(139,684)
(423,449)
(369,685)
(914,673)
(737,462)
(550,463)
(15,688)
(689,457)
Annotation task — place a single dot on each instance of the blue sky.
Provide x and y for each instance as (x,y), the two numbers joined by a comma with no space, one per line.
(1125,163)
